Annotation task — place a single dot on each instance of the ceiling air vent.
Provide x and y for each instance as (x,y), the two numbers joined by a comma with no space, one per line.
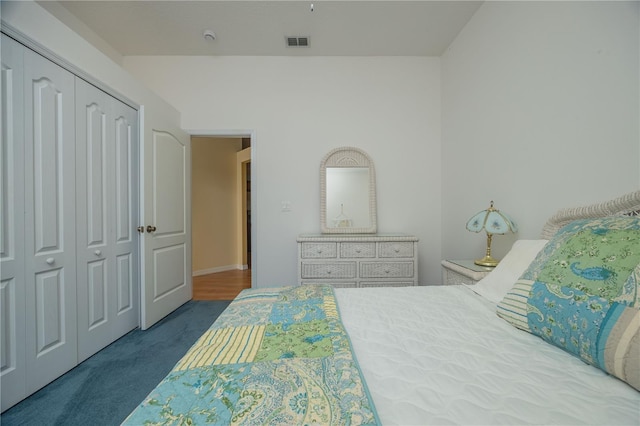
(297,41)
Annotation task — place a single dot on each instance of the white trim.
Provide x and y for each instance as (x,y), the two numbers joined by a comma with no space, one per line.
(218,269)
(220,133)
(142,277)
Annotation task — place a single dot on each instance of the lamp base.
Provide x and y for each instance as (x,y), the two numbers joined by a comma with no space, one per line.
(486,261)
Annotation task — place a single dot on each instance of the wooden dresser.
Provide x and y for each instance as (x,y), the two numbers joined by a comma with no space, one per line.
(358,260)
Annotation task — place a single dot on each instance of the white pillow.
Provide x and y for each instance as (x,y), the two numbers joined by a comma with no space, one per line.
(494,286)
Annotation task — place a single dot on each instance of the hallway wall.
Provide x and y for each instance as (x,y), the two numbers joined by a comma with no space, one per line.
(214,204)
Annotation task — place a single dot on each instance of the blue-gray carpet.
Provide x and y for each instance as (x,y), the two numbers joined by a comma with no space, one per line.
(105,388)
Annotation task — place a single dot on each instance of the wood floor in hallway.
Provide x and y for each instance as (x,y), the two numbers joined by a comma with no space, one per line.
(221,285)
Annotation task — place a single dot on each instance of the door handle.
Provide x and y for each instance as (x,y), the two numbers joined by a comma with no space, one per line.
(151,228)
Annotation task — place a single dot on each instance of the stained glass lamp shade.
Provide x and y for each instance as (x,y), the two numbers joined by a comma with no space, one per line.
(493,221)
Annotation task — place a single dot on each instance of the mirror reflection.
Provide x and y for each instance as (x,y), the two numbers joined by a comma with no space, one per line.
(348,196)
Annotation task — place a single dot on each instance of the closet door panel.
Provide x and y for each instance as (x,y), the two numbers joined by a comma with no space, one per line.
(125,272)
(96,294)
(95,168)
(51,342)
(92,222)
(94,199)
(106,208)
(49,307)
(126,246)
(12,277)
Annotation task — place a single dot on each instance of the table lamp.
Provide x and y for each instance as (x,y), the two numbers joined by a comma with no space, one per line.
(493,221)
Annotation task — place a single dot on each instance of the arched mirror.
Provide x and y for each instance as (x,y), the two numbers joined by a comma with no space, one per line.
(347,192)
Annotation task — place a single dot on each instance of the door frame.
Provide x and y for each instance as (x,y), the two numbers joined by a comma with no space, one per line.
(239,133)
(243,230)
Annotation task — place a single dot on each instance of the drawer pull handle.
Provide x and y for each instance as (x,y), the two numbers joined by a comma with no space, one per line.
(396,249)
(97,252)
(50,261)
(358,250)
(386,271)
(328,271)
(319,250)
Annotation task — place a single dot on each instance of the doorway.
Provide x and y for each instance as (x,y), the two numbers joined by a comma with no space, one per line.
(221,216)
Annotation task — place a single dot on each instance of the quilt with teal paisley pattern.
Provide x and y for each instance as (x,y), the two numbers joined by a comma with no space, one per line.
(582,294)
(273,357)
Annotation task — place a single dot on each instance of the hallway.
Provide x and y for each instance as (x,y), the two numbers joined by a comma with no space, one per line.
(221,285)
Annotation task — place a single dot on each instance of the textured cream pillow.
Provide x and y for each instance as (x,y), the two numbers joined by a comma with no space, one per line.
(494,286)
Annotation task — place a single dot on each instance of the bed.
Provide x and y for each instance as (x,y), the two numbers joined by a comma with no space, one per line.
(491,353)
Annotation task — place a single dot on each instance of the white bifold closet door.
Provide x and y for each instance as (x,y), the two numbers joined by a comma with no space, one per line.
(50,220)
(12,271)
(106,202)
(69,248)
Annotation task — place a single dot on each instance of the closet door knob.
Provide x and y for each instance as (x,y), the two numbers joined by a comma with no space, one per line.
(97,252)
(151,228)
(50,261)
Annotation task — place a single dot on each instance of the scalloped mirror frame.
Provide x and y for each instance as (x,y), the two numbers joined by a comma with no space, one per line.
(347,157)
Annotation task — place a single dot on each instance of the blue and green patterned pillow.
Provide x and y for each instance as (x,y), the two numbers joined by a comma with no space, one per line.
(582,294)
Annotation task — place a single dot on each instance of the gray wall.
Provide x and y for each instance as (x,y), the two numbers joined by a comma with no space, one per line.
(540,111)
(534,105)
(298,109)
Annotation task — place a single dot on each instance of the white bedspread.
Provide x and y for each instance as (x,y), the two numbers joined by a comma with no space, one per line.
(440,355)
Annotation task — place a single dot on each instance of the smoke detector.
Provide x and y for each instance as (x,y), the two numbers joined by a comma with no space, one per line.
(297,41)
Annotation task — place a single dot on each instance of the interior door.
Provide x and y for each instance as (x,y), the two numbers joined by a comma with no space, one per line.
(166,244)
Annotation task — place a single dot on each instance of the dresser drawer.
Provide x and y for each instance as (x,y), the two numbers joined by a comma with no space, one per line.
(335,284)
(396,249)
(358,260)
(387,284)
(319,250)
(335,270)
(386,270)
(359,250)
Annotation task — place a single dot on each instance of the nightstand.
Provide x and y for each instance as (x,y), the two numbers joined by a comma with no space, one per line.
(455,272)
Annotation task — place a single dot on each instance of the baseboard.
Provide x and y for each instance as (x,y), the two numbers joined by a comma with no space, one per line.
(218,269)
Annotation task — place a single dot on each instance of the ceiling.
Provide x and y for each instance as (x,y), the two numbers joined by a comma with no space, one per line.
(334,28)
